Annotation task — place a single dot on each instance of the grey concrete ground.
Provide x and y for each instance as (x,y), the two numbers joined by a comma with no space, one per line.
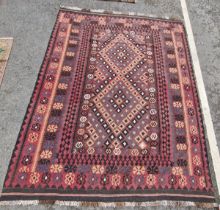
(205,19)
(30,23)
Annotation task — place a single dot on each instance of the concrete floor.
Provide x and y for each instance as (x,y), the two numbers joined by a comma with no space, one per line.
(30,23)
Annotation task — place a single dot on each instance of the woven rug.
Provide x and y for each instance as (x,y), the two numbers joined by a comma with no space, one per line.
(5,48)
(114,119)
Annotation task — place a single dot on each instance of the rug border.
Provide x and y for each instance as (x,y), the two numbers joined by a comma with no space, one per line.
(35,92)
(121,204)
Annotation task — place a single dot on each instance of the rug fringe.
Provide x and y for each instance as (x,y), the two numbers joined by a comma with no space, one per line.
(102,11)
(163,203)
(19,202)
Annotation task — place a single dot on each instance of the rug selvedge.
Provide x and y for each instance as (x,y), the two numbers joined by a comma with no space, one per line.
(114,116)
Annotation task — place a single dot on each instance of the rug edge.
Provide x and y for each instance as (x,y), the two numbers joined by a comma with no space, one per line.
(163,203)
(129,13)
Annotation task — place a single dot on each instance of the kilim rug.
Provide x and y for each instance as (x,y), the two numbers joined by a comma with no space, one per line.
(5,48)
(114,118)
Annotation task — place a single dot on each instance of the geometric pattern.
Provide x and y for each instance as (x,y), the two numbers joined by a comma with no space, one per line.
(121,116)
(114,111)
